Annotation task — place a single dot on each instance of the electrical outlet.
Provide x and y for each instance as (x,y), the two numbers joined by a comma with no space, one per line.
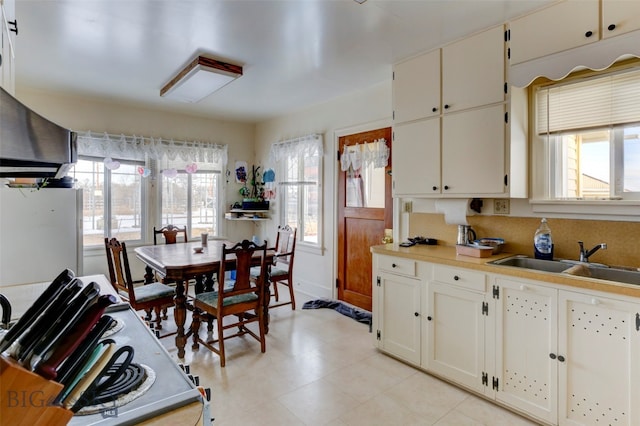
(501,206)
(407,207)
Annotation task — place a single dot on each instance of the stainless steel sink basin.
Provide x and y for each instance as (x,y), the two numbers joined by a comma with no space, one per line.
(619,275)
(531,263)
(596,271)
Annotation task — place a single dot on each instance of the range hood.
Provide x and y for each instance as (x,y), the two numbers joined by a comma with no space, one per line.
(30,145)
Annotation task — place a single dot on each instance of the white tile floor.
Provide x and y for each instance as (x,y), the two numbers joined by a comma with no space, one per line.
(321,368)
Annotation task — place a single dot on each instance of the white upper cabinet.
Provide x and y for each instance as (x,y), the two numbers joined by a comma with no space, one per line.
(569,25)
(473,152)
(620,17)
(468,157)
(473,71)
(416,158)
(416,88)
(557,28)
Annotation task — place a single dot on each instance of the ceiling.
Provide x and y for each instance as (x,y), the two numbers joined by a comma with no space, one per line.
(295,53)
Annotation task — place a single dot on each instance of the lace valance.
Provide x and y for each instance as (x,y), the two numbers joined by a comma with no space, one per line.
(359,156)
(306,146)
(142,148)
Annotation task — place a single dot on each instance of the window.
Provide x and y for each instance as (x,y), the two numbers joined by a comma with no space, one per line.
(116,172)
(114,201)
(300,194)
(587,138)
(192,200)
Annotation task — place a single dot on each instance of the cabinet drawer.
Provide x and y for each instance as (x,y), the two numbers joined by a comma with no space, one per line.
(461,277)
(397,265)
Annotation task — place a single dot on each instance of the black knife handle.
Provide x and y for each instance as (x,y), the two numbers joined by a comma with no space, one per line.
(41,303)
(74,337)
(67,319)
(73,363)
(27,340)
(6,311)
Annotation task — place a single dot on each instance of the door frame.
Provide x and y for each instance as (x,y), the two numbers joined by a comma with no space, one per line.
(337,134)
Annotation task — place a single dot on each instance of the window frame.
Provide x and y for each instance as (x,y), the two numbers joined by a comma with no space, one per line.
(219,201)
(305,245)
(543,178)
(107,201)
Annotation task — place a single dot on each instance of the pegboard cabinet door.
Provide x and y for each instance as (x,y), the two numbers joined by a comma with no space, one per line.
(599,354)
(526,339)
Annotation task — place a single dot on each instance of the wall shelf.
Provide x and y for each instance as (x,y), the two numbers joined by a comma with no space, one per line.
(247,215)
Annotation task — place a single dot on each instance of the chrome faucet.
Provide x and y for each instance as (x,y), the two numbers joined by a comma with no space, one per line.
(584,254)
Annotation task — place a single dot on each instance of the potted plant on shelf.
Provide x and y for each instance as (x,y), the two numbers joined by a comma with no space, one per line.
(253,198)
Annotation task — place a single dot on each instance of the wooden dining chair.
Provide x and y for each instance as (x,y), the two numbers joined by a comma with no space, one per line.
(170,234)
(148,297)
(281,271)
(242,299)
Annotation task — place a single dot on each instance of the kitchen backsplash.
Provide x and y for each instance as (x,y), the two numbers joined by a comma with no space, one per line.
(622,238)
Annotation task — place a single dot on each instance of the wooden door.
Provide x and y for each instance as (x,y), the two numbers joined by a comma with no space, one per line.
(360,226)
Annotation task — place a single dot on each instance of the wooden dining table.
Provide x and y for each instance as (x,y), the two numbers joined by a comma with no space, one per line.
(180,263)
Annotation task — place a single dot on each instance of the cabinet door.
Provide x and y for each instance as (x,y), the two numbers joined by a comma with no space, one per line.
(399,316)
(473,71)
(416,158)
(619,17)
(7,38)
(456,332)
(416,88)
(473,152)
(599,367)
(560,27)
(526,328)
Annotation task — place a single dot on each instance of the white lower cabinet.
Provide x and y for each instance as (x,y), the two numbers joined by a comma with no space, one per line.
(526,336)
(565,357)
(457,324)
(397,307)
(599,354)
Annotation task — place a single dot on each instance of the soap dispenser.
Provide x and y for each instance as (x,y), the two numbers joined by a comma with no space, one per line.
(543,241)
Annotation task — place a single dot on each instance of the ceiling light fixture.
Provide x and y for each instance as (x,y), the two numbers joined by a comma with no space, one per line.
(200,78)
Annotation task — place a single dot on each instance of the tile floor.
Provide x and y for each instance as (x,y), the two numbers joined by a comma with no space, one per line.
(321,368)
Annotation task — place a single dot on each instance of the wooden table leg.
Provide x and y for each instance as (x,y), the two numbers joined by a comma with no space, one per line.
(199,284)
(208,282)
(267,299)
(180,314)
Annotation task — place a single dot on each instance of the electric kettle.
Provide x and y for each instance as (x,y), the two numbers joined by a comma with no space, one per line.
(466,235)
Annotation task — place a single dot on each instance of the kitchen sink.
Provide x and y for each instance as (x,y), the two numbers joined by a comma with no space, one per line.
(614,274)
(531,263)
(596,271)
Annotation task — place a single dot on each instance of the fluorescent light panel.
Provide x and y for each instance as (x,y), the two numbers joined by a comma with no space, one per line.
(200,78)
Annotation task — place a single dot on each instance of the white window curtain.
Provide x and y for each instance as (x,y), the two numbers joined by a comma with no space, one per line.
(306,146)
(358,156)
(601,101)
(147,148)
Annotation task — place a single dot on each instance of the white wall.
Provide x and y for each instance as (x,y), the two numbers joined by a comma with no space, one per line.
(315,273)
(82,114)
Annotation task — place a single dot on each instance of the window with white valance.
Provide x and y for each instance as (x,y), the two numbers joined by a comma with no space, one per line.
(104,145)
(115,174)
(303,146)
(299,174)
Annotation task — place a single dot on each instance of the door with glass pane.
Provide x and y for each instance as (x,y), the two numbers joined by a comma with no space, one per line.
(364,210)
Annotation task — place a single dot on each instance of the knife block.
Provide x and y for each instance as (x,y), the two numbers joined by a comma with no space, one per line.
(25,397)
